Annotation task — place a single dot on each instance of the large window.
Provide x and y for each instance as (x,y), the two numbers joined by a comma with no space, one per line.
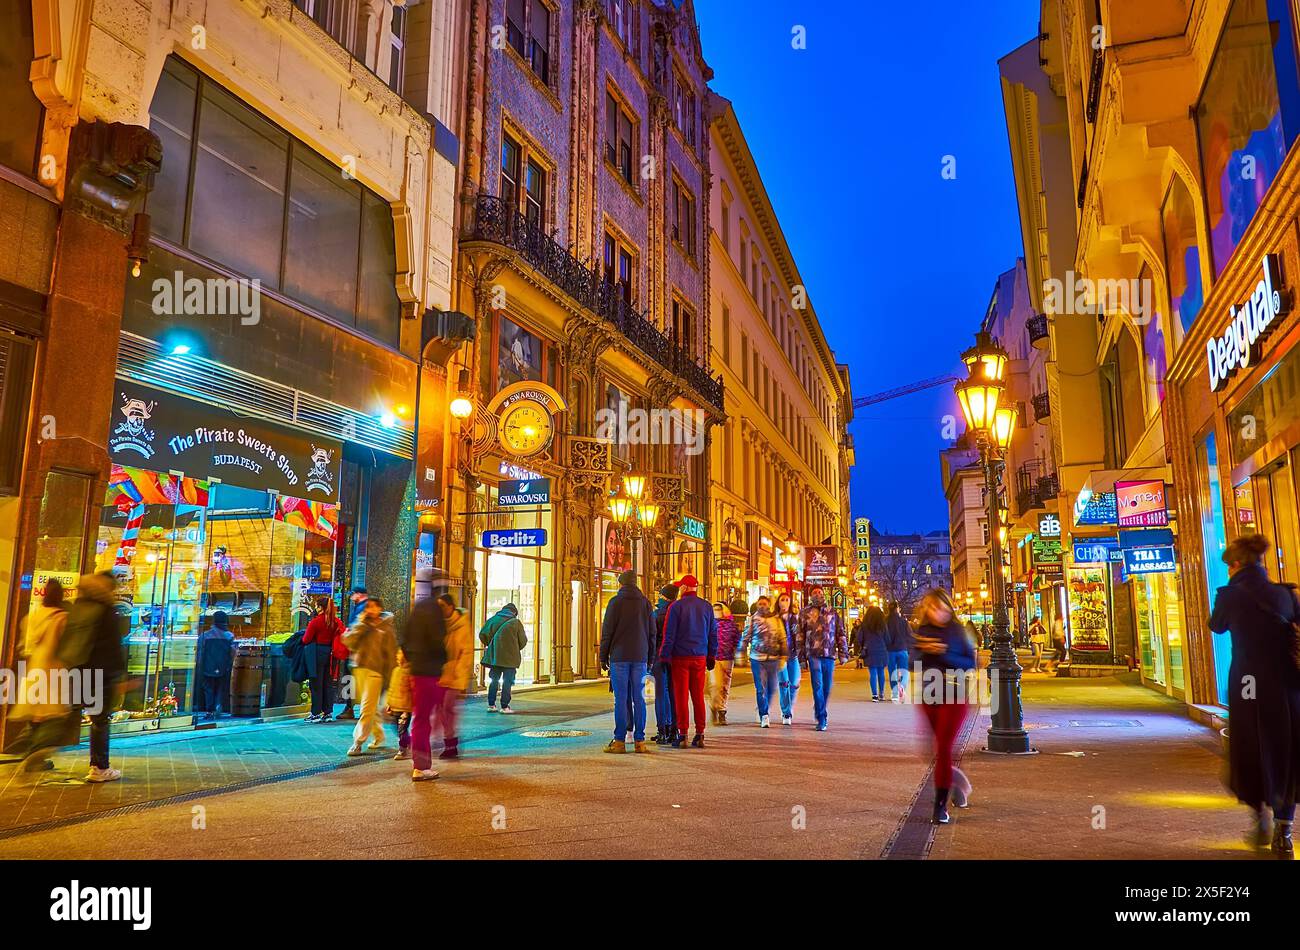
(535,194)
(1154,360)
(619,136)
(266,206)
(20,128)
(683,218)
(1247,118)
(528,31)
(1182,255)
(619,266)
(1214,540)
(511,156)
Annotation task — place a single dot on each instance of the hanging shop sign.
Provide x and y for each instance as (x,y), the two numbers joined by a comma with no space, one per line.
(1046,551)
(164,432)
(1159,560)
(693,528)
(820,562)
(431,425)
(1095,508)
(1242,342)
(1141,504)
(515,538)
(1049,526)
(1146,538)
(516,492)
(1089,604)
(1096,550)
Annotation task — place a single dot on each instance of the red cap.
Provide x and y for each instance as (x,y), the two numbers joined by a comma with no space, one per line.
(688,581)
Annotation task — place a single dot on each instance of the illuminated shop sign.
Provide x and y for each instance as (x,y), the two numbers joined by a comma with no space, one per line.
(1241,342)
(1146,538)
(515,538)
(1096,550)
(1095,508)
(693,528)
(1149,560)
(524,491)
(1141,504)
(1049,526)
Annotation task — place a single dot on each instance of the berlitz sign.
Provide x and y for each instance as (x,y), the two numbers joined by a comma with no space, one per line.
(1241,342)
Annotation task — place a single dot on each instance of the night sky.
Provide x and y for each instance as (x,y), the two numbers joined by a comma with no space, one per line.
(850,136)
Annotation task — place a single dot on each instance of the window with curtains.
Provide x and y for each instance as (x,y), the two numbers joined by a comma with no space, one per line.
(529,34)
(619,266)
(238,190)
(620,137)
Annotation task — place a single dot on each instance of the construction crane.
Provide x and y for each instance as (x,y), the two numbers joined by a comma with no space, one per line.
(904,390)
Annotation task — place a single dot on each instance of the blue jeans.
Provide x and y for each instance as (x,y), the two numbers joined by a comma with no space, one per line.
(877,681)
(765,677)
(663,700)
(789,685)
(626,679)
(898,660)
(503,676)
(821,671)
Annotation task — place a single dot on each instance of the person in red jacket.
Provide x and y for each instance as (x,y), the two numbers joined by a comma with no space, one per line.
(690,644)
(318,639)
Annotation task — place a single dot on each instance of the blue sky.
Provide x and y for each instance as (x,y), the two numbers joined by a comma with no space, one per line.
(850,136)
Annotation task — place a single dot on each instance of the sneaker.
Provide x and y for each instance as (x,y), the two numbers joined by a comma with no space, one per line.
(786,720)
(103,775)
(722,717)
(821,727)
(314,717)
(764,722)
(492,708)
(326,718)
(423,775)
(1283,846)
(680,742)
(378,747)
(507,710)
(402,755)
(698,741)
(641,747)
(356,750)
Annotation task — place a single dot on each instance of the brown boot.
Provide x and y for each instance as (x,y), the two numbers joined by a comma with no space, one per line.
(616,746)
(641,747)
(721,718)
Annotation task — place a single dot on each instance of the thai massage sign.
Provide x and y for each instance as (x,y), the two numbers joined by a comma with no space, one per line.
(164,432)
(1242,340)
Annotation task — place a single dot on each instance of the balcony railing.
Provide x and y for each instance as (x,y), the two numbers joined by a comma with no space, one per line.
(1034,485)
(1036,327)
(497,222)
(1048,487)
(1095,75)
(1042,406)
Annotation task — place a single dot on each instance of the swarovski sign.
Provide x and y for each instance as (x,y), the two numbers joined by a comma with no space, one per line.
(1240,343)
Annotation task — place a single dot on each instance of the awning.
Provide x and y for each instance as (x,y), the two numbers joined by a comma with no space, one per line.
(1102,481)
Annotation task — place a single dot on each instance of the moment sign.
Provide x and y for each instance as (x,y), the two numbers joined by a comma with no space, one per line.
(1242,340)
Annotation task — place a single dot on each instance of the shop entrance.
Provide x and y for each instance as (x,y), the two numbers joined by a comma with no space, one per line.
(1273,493)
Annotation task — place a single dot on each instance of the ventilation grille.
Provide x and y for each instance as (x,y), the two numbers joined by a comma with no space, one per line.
(145,361)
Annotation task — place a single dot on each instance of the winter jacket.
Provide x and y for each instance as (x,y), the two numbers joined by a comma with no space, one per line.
(628,632)
(898,633)
(875,649)
(42,629)
(958,655)
(459,667)
(373,643)
(765,638)
(790,622)
(728,638)
(660,618)
(423,639)
(690,629)
(216,650)
(503,638)
(95,630)
(322,630)
(399,686)
(826,638)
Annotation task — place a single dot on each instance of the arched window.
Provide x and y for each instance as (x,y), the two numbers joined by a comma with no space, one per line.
(1182,256)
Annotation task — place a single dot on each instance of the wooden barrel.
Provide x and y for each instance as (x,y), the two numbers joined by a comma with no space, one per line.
(246,679)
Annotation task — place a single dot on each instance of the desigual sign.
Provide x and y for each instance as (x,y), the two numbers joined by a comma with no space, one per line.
(164,432)
(1242,340)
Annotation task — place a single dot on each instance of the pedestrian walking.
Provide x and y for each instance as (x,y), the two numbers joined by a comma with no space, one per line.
(423,640)
(456,674)
(503,639)
(1037,642)
(875,650)
(945,652)
(399,704)
(1060,643)
(788,680)
(765,645)
(898,641)
(357,606)
(665,731)
(38,704)
(91,647)
(1263,691)
(822,642)
(372,643)
(691,645)
(318,642)
(627,639)
(857,644)
(720,676)
(216,653)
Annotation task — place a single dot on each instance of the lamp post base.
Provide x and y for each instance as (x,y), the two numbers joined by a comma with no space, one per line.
(1009,743)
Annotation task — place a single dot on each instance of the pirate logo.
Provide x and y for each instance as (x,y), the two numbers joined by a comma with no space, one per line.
(319,477)
(132,434)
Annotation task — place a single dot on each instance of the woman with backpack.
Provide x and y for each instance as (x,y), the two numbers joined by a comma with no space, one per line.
(503,640)
(1263,691)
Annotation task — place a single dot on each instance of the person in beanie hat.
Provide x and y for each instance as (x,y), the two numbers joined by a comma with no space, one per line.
(216,653)
(665,731)
(627,641)
(691,645)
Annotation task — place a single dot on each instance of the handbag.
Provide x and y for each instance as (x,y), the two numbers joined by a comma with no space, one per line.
(340,649)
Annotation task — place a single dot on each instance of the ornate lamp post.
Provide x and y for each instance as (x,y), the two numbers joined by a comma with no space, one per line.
(634,516)
(992,424)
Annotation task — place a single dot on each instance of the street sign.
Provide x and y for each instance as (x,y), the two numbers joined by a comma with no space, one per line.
(514,492)
(1150,560)
(515,538)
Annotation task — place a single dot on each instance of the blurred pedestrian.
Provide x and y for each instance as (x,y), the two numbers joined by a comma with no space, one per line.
(45,713)
(875,650)
(665,731)
(318,642)
(822,642)
(372,642)
(1037,642)
(91,646)
(398,704)
(765,644)
(691,644)
(1263,690)
(423,640)
(216,652)
(456,674)
(945,652)
(357,606)
(898,640)
(788,681)
(503,640)
(720,676)
(627,637)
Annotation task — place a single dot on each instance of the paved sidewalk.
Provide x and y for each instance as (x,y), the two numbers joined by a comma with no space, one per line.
(1121,772)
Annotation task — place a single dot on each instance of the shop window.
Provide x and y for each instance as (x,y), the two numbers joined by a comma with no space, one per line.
(1267,412)
(1154,360)
(1182,255)
(20,132)
(1247,118)
(1214,541)
(323,237)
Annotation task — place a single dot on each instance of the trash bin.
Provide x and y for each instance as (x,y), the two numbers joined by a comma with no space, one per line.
(246,679)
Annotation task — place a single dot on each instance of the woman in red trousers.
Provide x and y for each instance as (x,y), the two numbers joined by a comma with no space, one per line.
(945,653)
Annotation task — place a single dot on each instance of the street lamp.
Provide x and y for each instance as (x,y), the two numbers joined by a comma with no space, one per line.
(791,544)
(634,518)
(993,425)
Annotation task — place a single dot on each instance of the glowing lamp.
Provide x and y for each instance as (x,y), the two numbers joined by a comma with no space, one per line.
(648,513)
(634,485)
(620,508)
(1004,425)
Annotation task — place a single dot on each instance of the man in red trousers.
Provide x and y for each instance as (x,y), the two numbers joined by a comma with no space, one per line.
(690,644)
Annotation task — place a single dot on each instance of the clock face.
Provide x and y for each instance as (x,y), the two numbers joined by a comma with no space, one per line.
(526,428)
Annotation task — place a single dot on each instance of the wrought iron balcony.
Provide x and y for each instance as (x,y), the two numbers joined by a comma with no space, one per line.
(1042,406)
(497,222)
(1034,485)
(1048,487)
(1036,327)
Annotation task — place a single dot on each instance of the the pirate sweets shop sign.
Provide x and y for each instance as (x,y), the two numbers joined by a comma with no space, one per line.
(164,432)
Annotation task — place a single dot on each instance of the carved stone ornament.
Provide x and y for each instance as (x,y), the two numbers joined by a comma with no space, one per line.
(110,168)
(590,462)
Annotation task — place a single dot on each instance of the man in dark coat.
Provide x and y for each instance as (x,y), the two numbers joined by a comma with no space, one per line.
(691,643)
(1263,690)
(627,641)
(92,646)
(216,650)
(662,669)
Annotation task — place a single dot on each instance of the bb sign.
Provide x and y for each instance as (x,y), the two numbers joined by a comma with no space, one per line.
(1242,340)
